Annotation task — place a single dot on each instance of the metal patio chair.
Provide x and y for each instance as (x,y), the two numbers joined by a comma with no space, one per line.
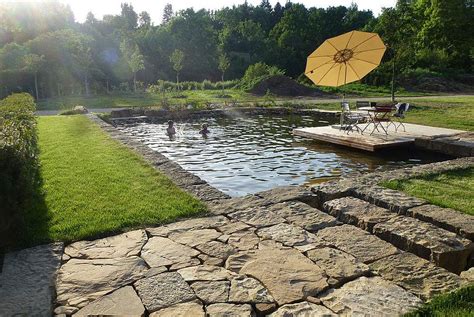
(399,116)
(349,119)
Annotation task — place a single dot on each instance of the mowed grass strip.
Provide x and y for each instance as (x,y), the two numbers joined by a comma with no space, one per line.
(459,303)
(92,186)
(451,189)
(453,112)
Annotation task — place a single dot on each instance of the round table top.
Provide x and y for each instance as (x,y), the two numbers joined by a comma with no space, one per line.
(376,109)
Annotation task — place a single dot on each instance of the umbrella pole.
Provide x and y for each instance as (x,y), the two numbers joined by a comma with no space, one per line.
(343,95)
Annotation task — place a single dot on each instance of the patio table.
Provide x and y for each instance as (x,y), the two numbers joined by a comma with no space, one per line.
(377,115)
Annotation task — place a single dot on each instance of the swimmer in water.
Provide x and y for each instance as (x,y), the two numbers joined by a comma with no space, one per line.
(171,131)
(204,130)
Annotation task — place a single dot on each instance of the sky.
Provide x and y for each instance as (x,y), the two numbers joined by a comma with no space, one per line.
(155,7)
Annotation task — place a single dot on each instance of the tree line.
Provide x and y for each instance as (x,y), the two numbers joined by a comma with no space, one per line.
(43,50)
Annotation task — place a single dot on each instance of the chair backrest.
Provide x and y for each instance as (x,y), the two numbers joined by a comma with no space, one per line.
(345,106)
(402,108)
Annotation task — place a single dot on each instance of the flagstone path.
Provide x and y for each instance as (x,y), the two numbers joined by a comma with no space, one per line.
(265,254)
(346,247)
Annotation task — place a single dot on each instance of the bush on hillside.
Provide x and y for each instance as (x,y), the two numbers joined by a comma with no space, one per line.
(164,86)
(18,161)
(256,73)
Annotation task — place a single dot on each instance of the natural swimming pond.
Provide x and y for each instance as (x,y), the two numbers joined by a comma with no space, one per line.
(251,154)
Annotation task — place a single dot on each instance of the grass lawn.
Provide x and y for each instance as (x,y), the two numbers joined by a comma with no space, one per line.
(452,112)
(450,189)
(92,185)
(459,303)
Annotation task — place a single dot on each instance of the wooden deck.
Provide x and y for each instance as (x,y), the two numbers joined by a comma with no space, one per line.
(375,141)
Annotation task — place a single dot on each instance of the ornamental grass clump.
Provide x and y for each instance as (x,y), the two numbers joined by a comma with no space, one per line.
(18,162)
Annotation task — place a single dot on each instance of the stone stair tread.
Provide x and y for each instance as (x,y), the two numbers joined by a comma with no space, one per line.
(424,239)
(303,215)
(357,212)
(393,200)
(416,275)
(447,218)
(443,247)
(364,246)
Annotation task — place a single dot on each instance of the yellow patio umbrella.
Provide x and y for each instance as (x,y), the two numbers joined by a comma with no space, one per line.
(345,58)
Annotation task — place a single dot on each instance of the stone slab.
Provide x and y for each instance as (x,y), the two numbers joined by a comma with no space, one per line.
(119,246)
(370,296)
(193,238)
(444,248)
(194,309)
(290,193)
(159,251)
(82,281)
(228,206)
(338,265)
(212,291)
(206,192)
(257,217)
(122,302)
(243,240)
(163,290)
(447,218)
(216,249)
(416,275)
(390,199)
(303,215)
(229,310)
(357,212)
(287,234)
(359,243)
(246,289)
(27,279)
(204,273)
(190,224)
(303,309)
(287,274)
(333,190)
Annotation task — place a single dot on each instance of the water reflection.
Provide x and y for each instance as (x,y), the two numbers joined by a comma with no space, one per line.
(248,155)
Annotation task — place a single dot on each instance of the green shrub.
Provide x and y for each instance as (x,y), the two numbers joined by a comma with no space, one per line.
(18,162)
(164,86)
(256,73)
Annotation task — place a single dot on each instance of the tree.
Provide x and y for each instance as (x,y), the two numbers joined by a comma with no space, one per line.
(224,64)
(134,58)
(177,59)
(144,20)
(167,13)
(129,16)
(33,64)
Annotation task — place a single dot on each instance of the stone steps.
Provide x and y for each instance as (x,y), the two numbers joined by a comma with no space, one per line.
(426,240)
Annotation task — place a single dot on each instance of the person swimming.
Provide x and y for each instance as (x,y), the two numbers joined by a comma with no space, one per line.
(171,131)
(204,130)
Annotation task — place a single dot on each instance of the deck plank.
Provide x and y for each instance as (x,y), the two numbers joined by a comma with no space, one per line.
(375,141)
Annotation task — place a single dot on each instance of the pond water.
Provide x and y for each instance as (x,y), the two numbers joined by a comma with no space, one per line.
(250,154)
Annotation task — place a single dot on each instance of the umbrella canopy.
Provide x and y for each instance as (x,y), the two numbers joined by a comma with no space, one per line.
(345,58)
